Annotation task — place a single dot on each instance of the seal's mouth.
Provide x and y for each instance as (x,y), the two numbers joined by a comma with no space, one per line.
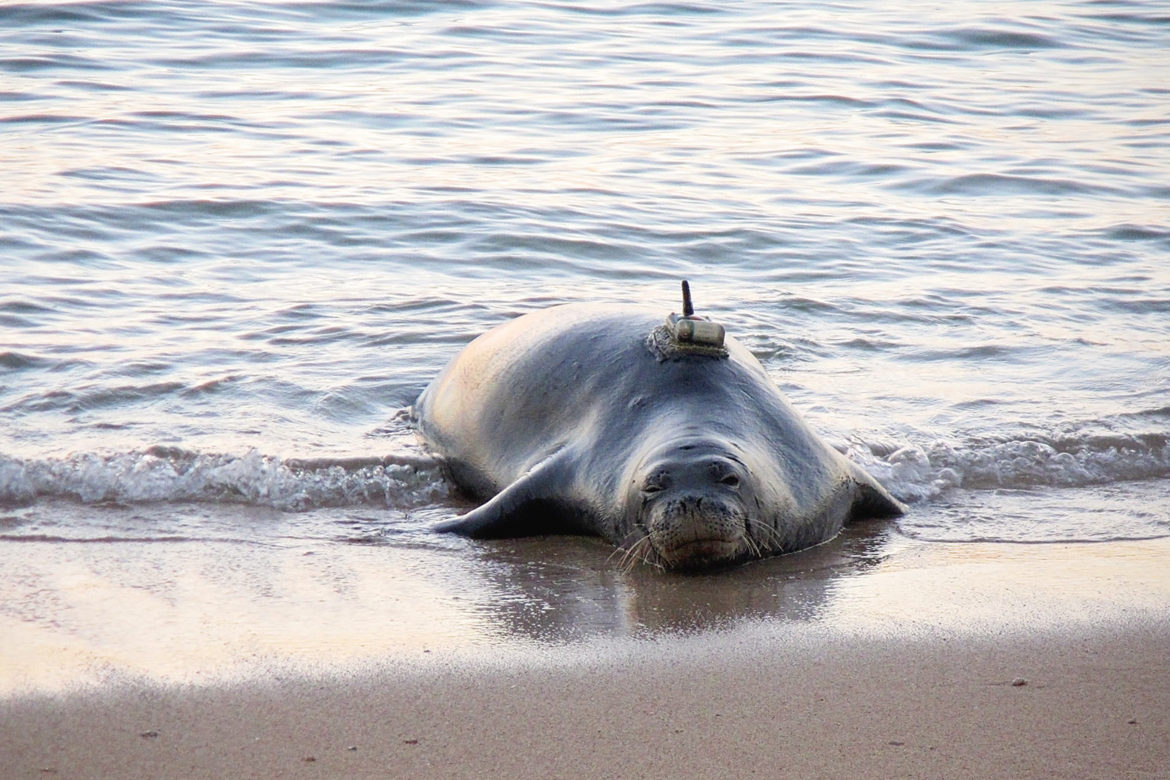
(694,532)
(702,554)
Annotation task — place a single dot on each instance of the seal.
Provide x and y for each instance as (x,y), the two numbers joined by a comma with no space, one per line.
(602,420)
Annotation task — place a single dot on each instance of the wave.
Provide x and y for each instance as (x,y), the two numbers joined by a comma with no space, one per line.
(171,474)
(916,473)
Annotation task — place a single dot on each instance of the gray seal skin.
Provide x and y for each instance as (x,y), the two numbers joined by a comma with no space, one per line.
(577,419)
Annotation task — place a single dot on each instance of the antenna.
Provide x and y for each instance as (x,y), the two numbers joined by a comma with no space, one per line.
(690,333)
(688,307)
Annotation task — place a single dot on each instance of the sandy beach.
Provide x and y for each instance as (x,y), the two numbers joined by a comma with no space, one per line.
(938,661)
(1078,705)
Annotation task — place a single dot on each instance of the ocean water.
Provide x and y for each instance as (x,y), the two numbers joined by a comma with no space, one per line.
(238,239)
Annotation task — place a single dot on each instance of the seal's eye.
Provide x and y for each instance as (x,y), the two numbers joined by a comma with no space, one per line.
(655,483)
(730,480)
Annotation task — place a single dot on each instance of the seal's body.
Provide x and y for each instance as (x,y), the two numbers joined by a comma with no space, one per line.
(583,419)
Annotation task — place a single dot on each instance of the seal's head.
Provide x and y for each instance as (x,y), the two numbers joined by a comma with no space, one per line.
(689,502)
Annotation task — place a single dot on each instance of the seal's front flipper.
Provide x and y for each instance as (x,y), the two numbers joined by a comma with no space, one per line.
(873,500)
(534,505)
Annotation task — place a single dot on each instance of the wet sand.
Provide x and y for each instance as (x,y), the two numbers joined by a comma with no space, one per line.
(927,661)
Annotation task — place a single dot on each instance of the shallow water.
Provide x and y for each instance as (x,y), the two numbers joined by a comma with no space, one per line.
(236,240)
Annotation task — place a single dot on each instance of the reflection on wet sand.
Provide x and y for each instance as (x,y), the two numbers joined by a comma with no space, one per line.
(868,581)
(562,589)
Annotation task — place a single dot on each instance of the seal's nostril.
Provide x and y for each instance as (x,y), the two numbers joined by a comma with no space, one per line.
(730,480)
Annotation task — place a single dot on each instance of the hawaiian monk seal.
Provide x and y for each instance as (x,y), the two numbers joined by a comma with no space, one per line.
(667,439)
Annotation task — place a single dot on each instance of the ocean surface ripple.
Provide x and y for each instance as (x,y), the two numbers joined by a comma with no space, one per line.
(236,241)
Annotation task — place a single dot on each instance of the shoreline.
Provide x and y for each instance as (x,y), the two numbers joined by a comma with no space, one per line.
(98,615)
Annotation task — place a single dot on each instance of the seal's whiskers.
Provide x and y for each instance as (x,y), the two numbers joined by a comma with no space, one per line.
(753,548)
(771,536)
(641,550)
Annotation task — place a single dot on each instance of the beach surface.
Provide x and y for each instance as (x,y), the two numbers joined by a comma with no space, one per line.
(937,661)
(1080,705)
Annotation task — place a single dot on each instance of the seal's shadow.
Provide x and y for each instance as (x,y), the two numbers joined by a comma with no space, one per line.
(561,588)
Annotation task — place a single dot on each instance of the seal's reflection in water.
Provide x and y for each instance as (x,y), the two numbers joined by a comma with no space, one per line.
(562,589)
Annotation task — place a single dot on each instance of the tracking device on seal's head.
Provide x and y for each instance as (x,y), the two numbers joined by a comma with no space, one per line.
(690,329)
(687,336)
